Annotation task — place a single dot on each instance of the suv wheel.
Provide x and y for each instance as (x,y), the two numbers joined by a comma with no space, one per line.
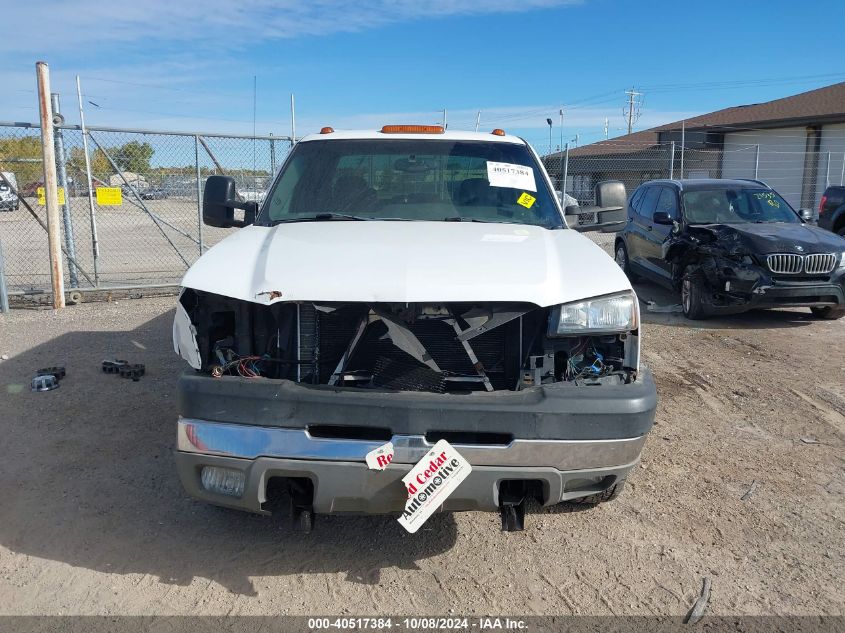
(621,259)
(692,296)
(828,312)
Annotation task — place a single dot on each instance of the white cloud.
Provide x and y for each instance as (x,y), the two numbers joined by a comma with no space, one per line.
(58,25)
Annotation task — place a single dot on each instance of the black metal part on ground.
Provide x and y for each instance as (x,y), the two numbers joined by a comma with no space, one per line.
(58,372)
(113,366)
(133,371)
(46,382)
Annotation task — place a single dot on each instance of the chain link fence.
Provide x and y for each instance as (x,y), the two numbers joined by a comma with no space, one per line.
(152,234)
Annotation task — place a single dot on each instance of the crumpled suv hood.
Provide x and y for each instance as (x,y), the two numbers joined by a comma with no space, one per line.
(395,261)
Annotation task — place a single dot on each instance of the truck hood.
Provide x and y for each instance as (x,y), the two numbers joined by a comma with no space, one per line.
(393,261)
(772,237)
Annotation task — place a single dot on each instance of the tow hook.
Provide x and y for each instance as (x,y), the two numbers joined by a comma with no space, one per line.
(301,508)
(512,505)
(303,519)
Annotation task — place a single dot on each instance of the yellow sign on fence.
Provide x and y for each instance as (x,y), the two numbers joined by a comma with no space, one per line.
(42,195)
(109,196)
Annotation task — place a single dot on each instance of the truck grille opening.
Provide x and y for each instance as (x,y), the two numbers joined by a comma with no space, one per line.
(455,348)
(466,437)
(340,432)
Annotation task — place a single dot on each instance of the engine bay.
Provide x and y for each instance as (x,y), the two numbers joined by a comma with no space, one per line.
(436,348)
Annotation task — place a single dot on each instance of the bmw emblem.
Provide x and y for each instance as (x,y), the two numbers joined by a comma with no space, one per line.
(800,249)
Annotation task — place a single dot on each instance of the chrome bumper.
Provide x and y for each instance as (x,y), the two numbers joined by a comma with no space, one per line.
(251,442)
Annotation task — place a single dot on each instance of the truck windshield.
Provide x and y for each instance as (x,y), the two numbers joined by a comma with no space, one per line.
(401,179)
(736,206)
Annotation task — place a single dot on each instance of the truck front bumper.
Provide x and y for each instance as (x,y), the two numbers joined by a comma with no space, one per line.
(574,441)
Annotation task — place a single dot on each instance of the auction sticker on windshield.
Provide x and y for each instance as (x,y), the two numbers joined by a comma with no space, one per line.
(430,482)
(511,176)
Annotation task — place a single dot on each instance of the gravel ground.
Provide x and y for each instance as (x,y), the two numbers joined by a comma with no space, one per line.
(94,520)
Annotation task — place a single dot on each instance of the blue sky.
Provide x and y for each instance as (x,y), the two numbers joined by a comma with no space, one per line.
(190,65)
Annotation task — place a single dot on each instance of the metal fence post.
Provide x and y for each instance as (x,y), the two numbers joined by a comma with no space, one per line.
(61,167)
(199,190)
(565,175)
(827,174)
(756,161)
(672,161)
(842,174)
(51,193)
(4,292)
(683,143)
(95,244)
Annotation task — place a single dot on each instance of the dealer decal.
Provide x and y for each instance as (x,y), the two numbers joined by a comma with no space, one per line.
(379,458)
(430,482)
(511,176)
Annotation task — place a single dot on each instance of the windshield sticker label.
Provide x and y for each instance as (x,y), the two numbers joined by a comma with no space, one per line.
(511,176)
(379,458)
(526,200)
(430,483)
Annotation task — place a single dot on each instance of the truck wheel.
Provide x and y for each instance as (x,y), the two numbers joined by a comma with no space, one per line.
(621,259)
(608,495)
(828,312)
(692,297)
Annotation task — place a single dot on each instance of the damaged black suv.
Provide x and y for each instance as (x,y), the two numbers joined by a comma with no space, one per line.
(729,246)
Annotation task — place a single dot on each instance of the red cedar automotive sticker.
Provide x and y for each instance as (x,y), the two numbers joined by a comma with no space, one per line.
(430,482)
(379,458)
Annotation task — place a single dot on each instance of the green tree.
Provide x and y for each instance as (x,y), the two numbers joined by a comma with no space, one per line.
(133,156)
(100,167)
(22,157)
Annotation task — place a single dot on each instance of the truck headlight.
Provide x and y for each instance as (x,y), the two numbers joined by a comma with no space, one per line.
(611,313)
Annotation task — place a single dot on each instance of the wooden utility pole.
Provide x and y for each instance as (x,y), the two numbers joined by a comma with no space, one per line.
(51,192)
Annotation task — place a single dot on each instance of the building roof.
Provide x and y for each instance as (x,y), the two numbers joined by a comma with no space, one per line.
(823,105)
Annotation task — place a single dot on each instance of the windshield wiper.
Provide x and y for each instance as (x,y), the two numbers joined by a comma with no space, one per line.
(322,217)
(460,219)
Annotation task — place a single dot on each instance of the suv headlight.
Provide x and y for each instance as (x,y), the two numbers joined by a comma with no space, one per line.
(842,259)
(611,313)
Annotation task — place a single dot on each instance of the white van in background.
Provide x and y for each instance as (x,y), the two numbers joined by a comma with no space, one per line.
(9,200)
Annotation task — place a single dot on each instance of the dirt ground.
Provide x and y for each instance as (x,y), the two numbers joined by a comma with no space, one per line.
(94,520)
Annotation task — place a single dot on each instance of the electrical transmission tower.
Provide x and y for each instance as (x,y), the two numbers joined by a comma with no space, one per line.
(632,108)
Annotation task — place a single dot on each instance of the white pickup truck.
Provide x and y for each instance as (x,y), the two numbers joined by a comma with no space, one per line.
(407,285)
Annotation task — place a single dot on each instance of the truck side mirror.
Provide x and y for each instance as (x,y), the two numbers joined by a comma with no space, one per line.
(219,201)
(610,211)
(611,193)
